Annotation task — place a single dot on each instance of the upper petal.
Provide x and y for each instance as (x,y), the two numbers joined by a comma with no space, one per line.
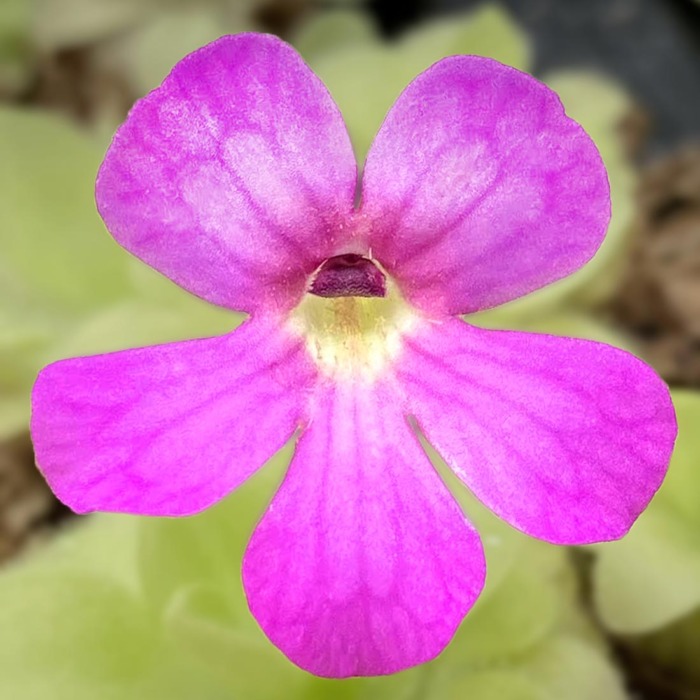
(479,188)
(234,178)
(565,439)
(364,563)
(171,429)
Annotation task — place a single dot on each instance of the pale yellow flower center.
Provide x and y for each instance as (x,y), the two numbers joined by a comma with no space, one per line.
(354,337)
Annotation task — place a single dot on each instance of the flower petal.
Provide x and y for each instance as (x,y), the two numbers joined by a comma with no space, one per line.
(565,439)
(480,189)
(363,564)
(235,177)
(171,429)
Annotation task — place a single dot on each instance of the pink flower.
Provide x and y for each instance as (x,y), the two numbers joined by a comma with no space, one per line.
(237,180)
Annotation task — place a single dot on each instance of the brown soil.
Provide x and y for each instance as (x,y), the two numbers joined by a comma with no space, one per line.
(658,302)
(659,296)
(28,509)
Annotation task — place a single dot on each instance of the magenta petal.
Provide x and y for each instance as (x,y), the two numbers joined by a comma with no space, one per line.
(565,439)
(167,430)
(235,177)
(480,189)
(364,563)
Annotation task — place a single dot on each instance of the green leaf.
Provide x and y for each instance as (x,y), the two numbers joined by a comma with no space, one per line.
(529,587)
(71,625)
(68,23)
(519,614)
(22,340)
(569,668)
(57,257)
(68,635)
(406,685)
(200,624)
(147,53)
(150,284)
(138,323)
(366,79)
(681,488)
(97,545)
(506,548)
(158,290)
(650,578)
(329,30)
(15,50)
(14,413)
(208,548)
(563,667)
(560,320)
(501,684)
(251,667)
(530,596)
(502,544)
(58,262)
(487,31)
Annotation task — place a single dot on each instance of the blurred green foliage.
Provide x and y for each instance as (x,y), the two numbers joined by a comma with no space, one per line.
(60,24)
(651,577)
(647,586)
(121,608)
(366,74)
(66,288)
(15,50)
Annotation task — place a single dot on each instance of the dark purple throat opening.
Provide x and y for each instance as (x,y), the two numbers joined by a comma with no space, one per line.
(349,275)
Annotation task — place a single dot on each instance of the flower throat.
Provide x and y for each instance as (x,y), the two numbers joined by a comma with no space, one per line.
(352,317)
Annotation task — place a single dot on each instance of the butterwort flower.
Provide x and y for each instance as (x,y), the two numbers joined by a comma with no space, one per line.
(236,179)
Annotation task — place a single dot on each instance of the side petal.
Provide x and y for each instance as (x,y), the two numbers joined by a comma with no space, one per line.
(565,439)
(364,563)
(234,177)
(170,429)
(479,189)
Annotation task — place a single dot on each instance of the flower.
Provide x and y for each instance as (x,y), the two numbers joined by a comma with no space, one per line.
(236,179)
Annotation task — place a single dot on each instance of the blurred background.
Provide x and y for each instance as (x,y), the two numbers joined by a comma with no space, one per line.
(112,607)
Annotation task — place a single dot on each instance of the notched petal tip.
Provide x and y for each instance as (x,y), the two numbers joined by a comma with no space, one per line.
(567,440)
(172,429)
(528,200)
(364,563)
(235,177)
